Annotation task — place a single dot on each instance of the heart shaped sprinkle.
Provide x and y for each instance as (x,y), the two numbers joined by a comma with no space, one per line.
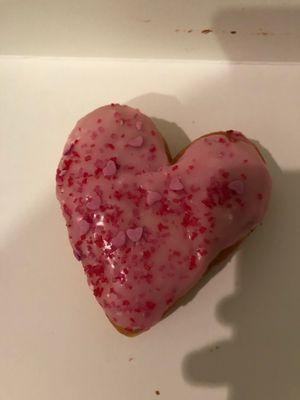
(136,142)
(119,240)
(135,234)
(93,203)
(237,186)
(83,226)
(176,184)
(110,169)
(138,125)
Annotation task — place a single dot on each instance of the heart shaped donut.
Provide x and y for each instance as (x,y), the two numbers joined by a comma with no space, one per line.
(146,228)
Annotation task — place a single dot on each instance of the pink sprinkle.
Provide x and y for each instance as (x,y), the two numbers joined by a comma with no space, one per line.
(153,197)
(110,169)
(119,240)
(135,234)
(68,149)
(176,184)
(83,227)
(136,142)
(237,186)
(93,203)
(138,125)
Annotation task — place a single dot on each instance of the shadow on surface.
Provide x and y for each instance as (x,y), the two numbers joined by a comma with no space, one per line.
(262,359)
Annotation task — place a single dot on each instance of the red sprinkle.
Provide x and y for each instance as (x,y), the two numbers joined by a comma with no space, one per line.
(192,262)
(150,305)
(146,254)
(202,229)
(194,235)
(161,226)
(98,292)
(110,146)
(152,149)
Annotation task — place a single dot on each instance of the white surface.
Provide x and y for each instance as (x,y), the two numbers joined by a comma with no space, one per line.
(55,342)
(265,29)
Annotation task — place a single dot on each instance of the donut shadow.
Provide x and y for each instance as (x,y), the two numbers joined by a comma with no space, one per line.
(262,358)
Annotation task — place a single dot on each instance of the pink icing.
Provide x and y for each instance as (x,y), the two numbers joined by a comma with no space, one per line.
(177,218)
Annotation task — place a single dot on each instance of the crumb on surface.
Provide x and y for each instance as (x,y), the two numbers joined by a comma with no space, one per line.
(214,348)
(206,31)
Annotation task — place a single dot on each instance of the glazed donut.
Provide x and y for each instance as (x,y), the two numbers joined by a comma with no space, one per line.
(147,228)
